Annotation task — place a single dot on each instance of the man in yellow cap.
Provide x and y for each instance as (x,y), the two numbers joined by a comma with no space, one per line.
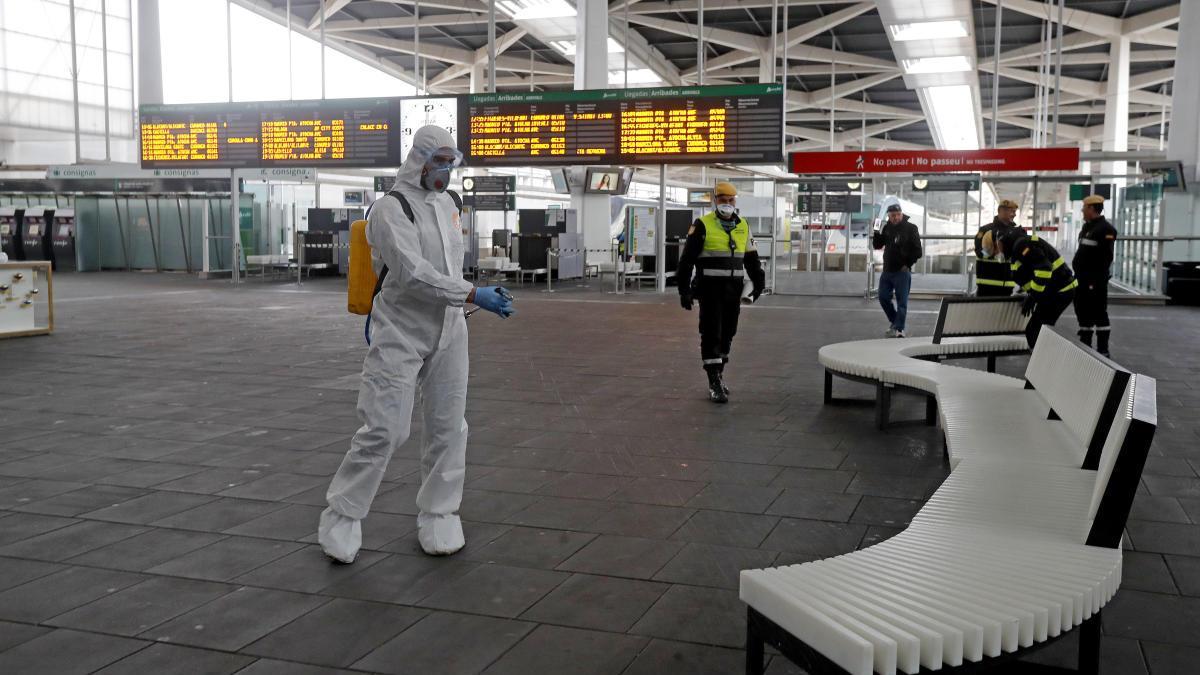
(721,251)
(993,277)
(1093,264)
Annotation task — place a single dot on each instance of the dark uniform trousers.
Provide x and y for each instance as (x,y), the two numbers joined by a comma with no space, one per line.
(720,306)
(1050,306)
(1091,305)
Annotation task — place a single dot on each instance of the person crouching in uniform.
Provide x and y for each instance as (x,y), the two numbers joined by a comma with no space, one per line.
(993,277)
(1093,267)
(1039,271)
(721,251)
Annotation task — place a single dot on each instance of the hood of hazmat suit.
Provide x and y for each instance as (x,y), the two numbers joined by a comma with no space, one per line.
(418,344)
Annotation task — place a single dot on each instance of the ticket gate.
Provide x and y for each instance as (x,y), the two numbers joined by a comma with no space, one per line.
(62,240)
(10,232)
(35,234)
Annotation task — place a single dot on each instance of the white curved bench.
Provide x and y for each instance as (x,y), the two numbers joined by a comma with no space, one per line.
(1009,553)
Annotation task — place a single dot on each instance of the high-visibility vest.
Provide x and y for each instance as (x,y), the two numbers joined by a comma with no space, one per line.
(724,250)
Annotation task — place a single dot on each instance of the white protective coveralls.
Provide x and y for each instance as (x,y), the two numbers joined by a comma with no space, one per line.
(418,340)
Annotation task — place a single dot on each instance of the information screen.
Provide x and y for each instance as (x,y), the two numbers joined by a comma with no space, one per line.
(346,132)
(683,125)
(209,135)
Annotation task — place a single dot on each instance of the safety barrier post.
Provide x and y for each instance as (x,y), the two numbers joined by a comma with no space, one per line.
(550,253)
(299,257)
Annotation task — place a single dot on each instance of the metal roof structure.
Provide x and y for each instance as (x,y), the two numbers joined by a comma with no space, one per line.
(843,63)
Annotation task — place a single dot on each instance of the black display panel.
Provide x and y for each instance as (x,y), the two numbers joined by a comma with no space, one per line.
(337,132)
(664,125)
(214,135)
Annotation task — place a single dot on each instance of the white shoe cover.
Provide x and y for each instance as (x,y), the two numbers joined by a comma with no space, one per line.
(440,535)
(340,536)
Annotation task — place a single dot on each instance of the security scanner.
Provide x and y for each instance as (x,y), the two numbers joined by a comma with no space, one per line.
(62,240)
(35,234)
(10,232)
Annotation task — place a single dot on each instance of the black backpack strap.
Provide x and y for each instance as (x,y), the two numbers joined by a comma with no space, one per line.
(458,202)
(408,212)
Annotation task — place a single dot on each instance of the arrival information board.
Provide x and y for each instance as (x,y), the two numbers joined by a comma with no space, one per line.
(682,125)
(339,132)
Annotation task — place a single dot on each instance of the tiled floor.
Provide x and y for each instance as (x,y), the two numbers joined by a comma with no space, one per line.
(163,459)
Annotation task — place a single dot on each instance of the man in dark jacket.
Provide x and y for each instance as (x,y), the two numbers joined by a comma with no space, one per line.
(1039,271)
(720,249)
(901,244)
(1093,263)
(992,275)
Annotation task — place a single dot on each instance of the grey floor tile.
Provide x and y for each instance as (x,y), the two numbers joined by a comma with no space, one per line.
(631,557)
(235,620)
(277,667)
(597,602)
(825,480)
(642,520)
(275,487)
(495,590)
(14,572)
(1153,616)
(70,541)
(660,491)
(338,633)
(139,608)
(558,513)
(52,594)
(666,656)
(1185,572)
(584,486)
(886,511)
(164,658)
(225,559)
(28,491)
(552,649)
(308,570)
(446,643)
(706,615)
(803,503)
(1167,659)
(151,474)
(81,501)
(211,481)
(17,526)
(1153,537)
(293,523)
(148,508)
(897,487)
(402,579)
(13,634)
(1146,572)
(726,528)
(516,480)
(143,551)
(708,565)
(741,498)
(67,652)
(814,537)
(219,515)
(529,547)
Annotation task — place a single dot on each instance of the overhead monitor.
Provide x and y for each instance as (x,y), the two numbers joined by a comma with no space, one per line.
(663,125)
(700,197)
(219,135)
(603,180)
(345,132)
(1171,173)
(559,176)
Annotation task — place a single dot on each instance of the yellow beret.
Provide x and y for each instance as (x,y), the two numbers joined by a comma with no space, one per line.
(1008,204)
(1093,200)
(724,189)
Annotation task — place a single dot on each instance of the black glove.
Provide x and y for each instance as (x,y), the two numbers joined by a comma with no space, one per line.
(1028,305)
(685,301)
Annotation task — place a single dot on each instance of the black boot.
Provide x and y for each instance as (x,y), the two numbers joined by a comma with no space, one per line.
(1085,336)
(1102,342)
(721,379)
(716,390)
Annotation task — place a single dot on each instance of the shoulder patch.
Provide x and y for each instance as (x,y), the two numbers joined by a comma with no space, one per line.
(692,229)
(1110,236)
(1025,250)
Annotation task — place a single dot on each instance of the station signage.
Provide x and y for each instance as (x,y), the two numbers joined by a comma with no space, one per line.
(936,161)
(491,202)
(829,203)
(485,184)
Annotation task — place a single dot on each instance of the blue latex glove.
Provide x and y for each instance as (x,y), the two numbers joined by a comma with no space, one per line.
(495,299)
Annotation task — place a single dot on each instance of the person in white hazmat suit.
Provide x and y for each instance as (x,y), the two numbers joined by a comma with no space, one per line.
(418,341)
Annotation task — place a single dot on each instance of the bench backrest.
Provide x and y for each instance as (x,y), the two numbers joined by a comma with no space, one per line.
(1119,468)
(1081,387)
(975,317)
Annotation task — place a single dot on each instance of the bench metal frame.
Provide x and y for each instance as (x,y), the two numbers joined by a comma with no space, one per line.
(1106,531)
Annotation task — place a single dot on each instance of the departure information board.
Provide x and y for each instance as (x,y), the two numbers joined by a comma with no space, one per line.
(346,132)
(209,135)
(334,132)
(683,125)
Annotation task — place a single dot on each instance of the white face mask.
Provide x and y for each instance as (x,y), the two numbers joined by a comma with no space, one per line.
(726,211)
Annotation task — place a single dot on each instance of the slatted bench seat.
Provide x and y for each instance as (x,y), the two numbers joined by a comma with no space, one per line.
(1006,556)
(966,328)
(1062,416)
